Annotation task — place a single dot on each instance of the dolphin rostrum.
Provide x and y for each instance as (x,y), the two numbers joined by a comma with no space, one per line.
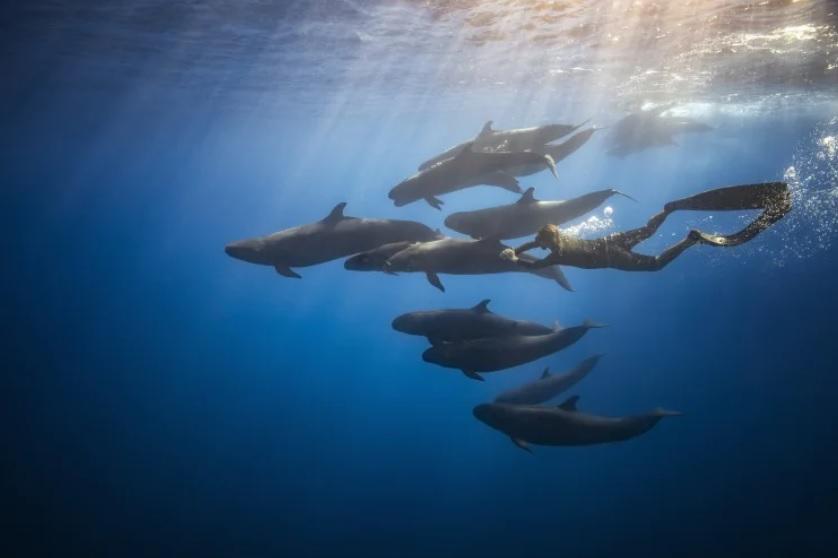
(467,168)
(524,217)
(464,323)
(335,236)
(498,353)
(563,425)
(548,385)
(520,139)
(458,256)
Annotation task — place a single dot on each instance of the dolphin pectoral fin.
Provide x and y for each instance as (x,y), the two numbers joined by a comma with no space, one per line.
(436,203)
(433,279)
(561,279)
(521,444)
(286,271)
(503,180)
(473,375)
(551,164)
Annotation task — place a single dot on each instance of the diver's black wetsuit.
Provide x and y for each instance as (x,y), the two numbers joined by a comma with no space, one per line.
(615,250)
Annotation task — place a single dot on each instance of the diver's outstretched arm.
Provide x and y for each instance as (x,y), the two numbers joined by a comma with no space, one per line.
(526,247)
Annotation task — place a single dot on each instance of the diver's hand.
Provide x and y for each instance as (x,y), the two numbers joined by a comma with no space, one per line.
(509,255)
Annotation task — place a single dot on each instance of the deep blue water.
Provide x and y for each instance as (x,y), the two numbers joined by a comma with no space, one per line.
(163,399)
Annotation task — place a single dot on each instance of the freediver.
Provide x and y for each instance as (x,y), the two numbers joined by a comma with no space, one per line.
(617,249)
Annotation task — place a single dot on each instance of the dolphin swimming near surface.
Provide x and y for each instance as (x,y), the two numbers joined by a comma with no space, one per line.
(466,323)
(526,216)
(499,353)
(520,139)
(457,256)
(649,128)
(563,425)
(548,385)
(333,237)
(468,168)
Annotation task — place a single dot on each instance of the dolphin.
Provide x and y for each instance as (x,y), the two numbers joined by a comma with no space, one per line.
(646,129)
(467,168)
(498,353)
(468,323)
(333,237)
(563,425)
(520,139)
(548,386)
(526,216)
(458,256)
(556,152)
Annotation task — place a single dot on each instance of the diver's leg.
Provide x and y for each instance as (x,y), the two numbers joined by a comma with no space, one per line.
(631,261)
(631,238)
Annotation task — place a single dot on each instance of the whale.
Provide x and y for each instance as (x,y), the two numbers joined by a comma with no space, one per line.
(647,129)
(441,326)
(557,152)
(563,425)
(499,353)
(466,169)
(548,385)
(519,139)
(335,236)
(459,256)
(526,216)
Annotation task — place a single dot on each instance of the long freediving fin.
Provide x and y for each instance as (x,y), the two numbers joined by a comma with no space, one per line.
(433,279)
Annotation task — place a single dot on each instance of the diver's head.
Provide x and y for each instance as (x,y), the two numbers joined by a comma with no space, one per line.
(250,250)
(549,237)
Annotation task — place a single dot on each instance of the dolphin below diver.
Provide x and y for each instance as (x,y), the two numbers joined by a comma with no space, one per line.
(464,323)
(333,237)
(468,168)
(563,425)
(499,353)
(455,256)
(548,385)
(526,216)
(520,139)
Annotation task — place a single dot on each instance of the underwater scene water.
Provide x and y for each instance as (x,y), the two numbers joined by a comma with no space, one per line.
(164,398)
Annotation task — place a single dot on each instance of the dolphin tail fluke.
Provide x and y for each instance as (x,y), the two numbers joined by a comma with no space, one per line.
(590,324)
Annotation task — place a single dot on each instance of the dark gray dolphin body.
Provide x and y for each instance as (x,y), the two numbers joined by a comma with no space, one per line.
(457,256)
(548,386)
(467,168)
(492,354)
(563,425)
(520,139)
(647,129)
(336,236)
(467,323)
(524,217)
(556,152)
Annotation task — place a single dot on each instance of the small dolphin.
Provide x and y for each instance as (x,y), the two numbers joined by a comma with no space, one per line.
(457,256)
(468,168)
(468,323)
(526,216)
(498,353)
(335,236)
(548,386)
(520,139)
(646,129)
(563,425)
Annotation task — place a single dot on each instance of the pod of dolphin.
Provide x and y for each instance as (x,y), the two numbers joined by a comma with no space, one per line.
(475,340)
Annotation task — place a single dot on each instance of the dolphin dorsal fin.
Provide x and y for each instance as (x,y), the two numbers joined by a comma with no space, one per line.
(486,130)
(570,404)
(482,307)
(336,214)
(528,196)
(545,374)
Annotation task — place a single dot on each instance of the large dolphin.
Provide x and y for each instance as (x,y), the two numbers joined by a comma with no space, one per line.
(464,323)
(548,386)
(467,168)
(646,129)
(455,256)
(335,236)
(563,425)
(498,353)
(524,217)
(520,139)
